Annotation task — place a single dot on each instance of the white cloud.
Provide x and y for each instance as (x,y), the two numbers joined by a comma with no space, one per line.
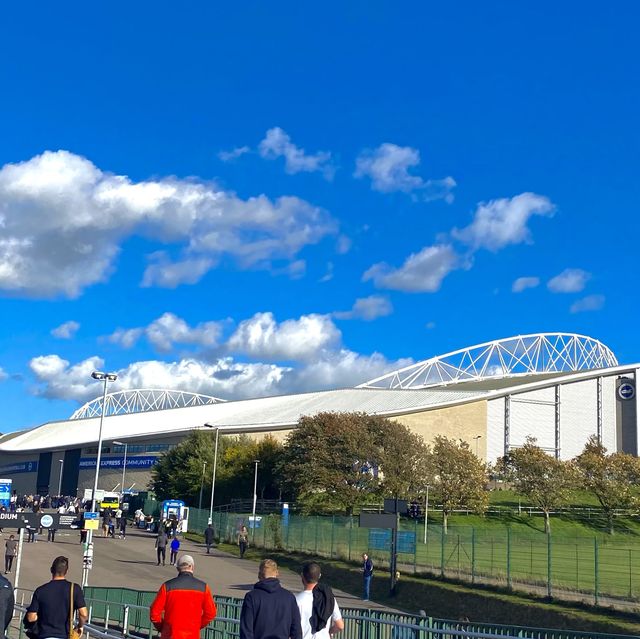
(343,245)
(571,280)
(588,303)
(421,272)
(367,308)
(504,221)
(226,378)
(388,168)
(523,283)
(328,276)
(63,221)
(277,143)
(168,331)
(234,154)
(261,337)
(66,330)
(3,374)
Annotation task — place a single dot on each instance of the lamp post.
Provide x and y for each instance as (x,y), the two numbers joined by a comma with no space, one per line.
(213,475)
(106,378)
(60,478)
(204,467)
(124,463)
(255,498)
(477,438)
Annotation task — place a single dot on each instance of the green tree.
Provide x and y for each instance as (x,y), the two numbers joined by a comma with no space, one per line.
(544,480)
(459,477)
(611,478)
(328,461)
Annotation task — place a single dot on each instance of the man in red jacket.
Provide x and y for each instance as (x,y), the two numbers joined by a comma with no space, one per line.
(183,605)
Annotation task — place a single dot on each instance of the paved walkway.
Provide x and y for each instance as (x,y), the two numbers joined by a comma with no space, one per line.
(131,563)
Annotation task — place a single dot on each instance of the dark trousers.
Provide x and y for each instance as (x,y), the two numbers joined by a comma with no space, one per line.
(243,548)
(8,562)
(174,556)
(32,534)
(162,552)
(51,534)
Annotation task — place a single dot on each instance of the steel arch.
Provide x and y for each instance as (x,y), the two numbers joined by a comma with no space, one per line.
(142,400)
(509,357)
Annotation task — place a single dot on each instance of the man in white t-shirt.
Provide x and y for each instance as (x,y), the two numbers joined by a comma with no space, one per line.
(319,611)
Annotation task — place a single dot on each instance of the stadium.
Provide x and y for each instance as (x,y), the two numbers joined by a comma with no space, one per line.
(560,388)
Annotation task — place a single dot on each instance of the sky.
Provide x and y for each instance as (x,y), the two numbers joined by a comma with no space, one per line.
(248,198)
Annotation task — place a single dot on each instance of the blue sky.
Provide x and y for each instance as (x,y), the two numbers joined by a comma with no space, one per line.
(255,198)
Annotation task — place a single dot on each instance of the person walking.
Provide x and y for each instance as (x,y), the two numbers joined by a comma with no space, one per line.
(161,546)
(269,611)
(208,537)
(54,603)
(7,603)
(367,575)
(10,551)
(51,534)
(184,605)
(320,615)
(175,546)
(123,527)
(243,540)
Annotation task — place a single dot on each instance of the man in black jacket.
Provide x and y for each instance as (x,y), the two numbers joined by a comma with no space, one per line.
(7,603)
(269,610)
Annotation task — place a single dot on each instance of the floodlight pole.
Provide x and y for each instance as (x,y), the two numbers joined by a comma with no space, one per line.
(60,478)
(124,464)
(103,377)
(204,468)
(477,438)
(426,514)
(255,499)
(213,475)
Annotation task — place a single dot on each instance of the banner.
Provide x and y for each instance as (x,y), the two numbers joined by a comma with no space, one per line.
(118,462)
(21,467)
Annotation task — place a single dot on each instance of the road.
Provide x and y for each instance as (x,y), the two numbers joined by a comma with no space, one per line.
(131,563)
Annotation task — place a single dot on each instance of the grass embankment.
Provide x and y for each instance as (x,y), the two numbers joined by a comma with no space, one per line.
(455,601)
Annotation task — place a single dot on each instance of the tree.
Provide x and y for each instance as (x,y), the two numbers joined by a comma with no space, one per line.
(460,478)
(327,461)
(541,478)
(178,473)
(611,478)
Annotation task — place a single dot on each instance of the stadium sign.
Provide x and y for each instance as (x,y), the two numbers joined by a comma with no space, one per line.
(626,391)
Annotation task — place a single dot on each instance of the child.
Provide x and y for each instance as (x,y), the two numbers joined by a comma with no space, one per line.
(175,545)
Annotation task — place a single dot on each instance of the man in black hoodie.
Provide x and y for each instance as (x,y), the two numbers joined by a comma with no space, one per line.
(269,611)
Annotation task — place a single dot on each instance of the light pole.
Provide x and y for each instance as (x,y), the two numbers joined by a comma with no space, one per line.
(477,438)
(204,467)
(106,378)
(255,498)
(124,464)
(60,478)
(213,475)
(426,514)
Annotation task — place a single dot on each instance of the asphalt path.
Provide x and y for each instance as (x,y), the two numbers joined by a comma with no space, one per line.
(131,563)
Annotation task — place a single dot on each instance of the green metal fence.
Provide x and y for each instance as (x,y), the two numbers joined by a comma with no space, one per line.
(603,570)
(128,612)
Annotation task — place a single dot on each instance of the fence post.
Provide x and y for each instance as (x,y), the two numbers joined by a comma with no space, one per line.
(549,565)
(630,581)
(317,529)
(442,536)
(350,529)
(303,522)
(595,571)
(333,527)
(415,546)
(473,555)
(509,585)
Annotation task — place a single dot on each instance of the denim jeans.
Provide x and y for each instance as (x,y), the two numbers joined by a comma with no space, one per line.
(367,586)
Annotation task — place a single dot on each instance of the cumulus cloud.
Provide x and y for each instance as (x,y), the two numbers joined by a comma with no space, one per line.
(67,330)
(367,308)
(523,283)
(226,378)
(234,154)
(168,331)
(571,280)
(388,167)
(421,272)
(63,222)
(278,144)
(261,337)
(503,221)
(588,303)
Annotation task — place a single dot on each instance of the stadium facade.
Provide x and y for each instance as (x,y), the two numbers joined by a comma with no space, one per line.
(557,387)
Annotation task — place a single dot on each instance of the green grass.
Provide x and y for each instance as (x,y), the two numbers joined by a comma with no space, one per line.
(454,601)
